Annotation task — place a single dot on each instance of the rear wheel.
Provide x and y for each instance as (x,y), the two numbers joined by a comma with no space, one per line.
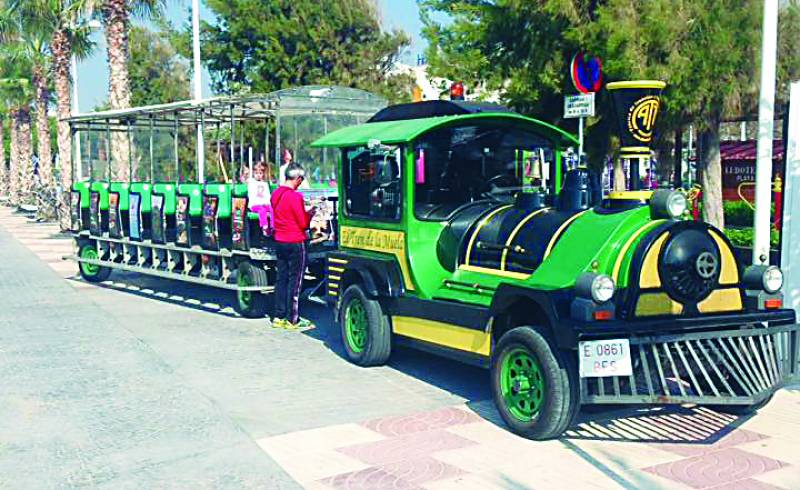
(365,329)
(534,390)
(91,272)
(251,304)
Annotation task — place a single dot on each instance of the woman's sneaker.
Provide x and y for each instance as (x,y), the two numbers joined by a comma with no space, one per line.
(280,323)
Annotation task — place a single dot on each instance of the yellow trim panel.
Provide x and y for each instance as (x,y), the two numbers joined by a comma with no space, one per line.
(335,269)
(337,261)
(444,334)
(649,277)
(377,240)
(721,300)
(624,251)
(653,304)
(631,195)
(636,84)
(495,272)
(730,271)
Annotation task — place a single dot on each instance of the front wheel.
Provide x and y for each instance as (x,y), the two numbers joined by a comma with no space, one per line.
(534,390)
(365,329)
(249,303)
(91,272)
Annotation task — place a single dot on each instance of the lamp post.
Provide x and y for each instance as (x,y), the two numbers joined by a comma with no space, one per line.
(766,111)
(198,88)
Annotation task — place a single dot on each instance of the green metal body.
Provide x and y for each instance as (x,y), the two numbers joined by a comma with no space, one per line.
(169,191)
(223,192)
(145,190)
(84,189)
(123,189)
(195,194)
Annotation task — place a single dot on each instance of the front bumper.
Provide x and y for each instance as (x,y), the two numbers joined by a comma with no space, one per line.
(740,366)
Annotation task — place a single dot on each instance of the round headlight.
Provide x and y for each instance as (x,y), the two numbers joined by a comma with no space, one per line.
(772,279)
(602,288)
(676,204)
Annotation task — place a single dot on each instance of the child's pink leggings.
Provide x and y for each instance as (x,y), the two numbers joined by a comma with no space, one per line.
(264,214)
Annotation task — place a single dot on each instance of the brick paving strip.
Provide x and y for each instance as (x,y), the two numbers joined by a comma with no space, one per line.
(465,446)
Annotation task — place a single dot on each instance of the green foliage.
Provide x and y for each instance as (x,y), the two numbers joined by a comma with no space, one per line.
(157,74)
(738,213)
(743,237)
(266,45)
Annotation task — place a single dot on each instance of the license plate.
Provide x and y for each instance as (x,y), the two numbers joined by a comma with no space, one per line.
(599,358)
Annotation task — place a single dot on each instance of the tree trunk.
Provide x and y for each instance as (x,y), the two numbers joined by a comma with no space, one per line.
(3,170)
(711,177)
(13,169)
(677,168)
(619,175)
(26,174)
(116,20)
(46,210)
(62,50)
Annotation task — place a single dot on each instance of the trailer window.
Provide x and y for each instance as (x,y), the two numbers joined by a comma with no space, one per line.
(372,182)
(478,162)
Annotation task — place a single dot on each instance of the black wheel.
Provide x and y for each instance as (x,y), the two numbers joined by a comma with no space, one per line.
(741,410)
(91,272)
(534,389)
(251,304)
(366,334)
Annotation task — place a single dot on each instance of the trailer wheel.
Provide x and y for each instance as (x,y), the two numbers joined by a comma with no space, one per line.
(741,410)
(250,304)
(365,330)
(534,390)
(91,272)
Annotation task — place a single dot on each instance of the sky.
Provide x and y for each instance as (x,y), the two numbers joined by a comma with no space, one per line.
(93,72)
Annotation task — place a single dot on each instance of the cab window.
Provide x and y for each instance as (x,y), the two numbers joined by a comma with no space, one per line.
(478,162)
(372,182)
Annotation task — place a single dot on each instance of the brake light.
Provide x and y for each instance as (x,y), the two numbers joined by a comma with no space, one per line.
(603,315)
(773,303)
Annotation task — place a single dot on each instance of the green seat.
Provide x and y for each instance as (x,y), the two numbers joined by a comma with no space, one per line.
(169,191)
(145,190)
(123,189)
(84,188)
(195,194)
(101,188)
(223,193)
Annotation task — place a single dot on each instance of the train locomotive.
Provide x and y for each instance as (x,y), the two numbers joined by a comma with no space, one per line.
(464,232)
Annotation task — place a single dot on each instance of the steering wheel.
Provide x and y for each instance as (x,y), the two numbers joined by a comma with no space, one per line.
(498,181)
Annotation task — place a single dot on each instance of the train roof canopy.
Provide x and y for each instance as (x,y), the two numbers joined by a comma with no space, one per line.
(287,102)
(404,130)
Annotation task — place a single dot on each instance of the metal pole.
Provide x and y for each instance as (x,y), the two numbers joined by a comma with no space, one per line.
(152,158)
(278,145)
(790,231)
(232,152)
(177,160)
(689,155)
(766,111)
(743,131)
(198,88)
(77,165)
(130,153)
(108,151)
(201,162)
(580,139)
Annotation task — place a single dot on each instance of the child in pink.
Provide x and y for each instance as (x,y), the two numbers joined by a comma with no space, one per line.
(258,197)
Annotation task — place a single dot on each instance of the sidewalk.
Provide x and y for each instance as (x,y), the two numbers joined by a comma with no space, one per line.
(420,423)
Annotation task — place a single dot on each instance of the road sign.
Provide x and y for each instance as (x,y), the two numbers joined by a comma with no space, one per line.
(579,105)
(586,72)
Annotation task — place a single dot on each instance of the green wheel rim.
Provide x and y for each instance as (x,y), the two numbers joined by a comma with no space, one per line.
(522,384)
(355,325)
(245,297)
(91,254)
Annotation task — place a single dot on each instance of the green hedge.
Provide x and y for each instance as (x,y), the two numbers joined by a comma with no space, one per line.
(743,237)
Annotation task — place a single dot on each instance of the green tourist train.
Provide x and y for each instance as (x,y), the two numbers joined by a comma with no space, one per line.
(466,230)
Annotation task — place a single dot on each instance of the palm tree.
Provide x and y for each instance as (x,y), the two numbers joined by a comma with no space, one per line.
(3,169)
(61,24)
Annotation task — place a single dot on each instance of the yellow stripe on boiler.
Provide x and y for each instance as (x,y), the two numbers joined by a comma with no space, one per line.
(480,226)
(335,269)
(729,274)
(558,233)
(336,261)
(513,235)
(649,278)
(443,334)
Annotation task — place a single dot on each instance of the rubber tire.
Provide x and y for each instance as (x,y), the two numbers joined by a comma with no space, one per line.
(102,272)
(256,277)
(378,347)
(741,410)
(561,391)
